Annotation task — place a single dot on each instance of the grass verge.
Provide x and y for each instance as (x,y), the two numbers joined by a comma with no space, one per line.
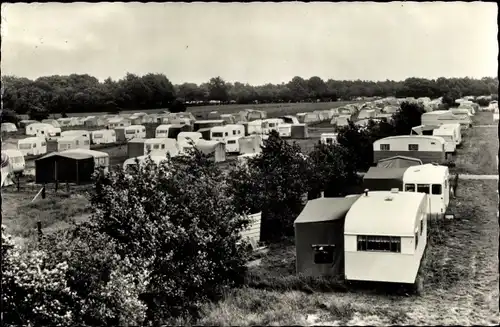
(478,152)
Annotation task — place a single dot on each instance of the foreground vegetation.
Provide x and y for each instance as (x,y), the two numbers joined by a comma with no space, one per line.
(162,245)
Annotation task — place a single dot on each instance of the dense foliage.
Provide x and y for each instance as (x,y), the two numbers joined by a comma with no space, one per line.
(85,93)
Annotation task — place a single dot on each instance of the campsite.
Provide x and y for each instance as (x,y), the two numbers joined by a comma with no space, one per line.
(257,164)
(450,266)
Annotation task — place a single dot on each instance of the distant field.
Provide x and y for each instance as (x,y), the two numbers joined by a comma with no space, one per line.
(272,109)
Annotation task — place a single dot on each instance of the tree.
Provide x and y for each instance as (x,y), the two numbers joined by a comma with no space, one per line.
(407,117)
(358,142)
(317,88)
(217,89)
(177,106)
(333,170)
(282,171)
(178,221)
(298,88)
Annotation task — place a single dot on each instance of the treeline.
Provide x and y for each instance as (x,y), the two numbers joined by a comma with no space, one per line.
(84,93)
(164,240)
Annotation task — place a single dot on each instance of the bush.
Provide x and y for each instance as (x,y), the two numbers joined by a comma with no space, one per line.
(107,286)
(178,221)
(34,291)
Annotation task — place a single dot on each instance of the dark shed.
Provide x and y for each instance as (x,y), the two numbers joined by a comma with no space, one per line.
(319,236)
(64,167)
(383,179)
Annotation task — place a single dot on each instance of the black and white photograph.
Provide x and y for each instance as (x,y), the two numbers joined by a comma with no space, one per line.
(249,164)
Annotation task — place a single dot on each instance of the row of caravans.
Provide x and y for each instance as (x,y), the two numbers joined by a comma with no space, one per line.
(441,117)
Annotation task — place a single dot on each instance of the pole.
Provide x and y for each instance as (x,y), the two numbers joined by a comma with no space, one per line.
(43,191)
(39,228)
(55,175)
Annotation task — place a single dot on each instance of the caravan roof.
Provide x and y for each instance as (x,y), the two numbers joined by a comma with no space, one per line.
(428,173)
(325,209)
(405,137)
(98,154)
(384,173)
(384,213)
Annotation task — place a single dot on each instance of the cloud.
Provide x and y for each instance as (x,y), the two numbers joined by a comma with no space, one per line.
(253,42)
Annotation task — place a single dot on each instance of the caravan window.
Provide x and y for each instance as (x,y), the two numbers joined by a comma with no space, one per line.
(216,134)
(436,189)
(421,226)
(163,146)
(231,142)
(379,243)
(385,147)
(329,141)
(416,239)
(24,146)
(86,142)
(97,136)
(423,188)
(412,147)
(44,143)
(156,146)
(234,132)
(148,147)
(226,133)
(77,142)
(130,131)
(410,188)
(323,254)
(34,145)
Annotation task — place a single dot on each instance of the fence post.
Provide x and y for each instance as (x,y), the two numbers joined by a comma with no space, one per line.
(43,191)
(39,228)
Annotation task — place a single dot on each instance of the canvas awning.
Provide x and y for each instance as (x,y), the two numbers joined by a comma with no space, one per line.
(398,162)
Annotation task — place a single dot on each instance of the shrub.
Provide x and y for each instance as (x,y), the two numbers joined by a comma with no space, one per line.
(34,291)
(178,221)
(106,285)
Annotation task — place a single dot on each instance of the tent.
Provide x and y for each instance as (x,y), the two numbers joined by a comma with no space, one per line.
(398,162)
(383,179)
(319,236)
(218,149)
(64,167)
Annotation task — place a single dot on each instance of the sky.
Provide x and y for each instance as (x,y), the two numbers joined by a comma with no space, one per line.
(254,43)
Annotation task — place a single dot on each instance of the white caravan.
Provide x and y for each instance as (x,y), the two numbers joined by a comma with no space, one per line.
(135,131)
(32,146)
(329,138)
(448,135)
(16,160)
(432,180)
(76,132)
(103,136)
(457,131)
(285,130)
(273,125)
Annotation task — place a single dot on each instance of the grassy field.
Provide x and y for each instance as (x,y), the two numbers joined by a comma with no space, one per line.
(56,211)
(272,109)
(483,118)
(461,281)
(478,152)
